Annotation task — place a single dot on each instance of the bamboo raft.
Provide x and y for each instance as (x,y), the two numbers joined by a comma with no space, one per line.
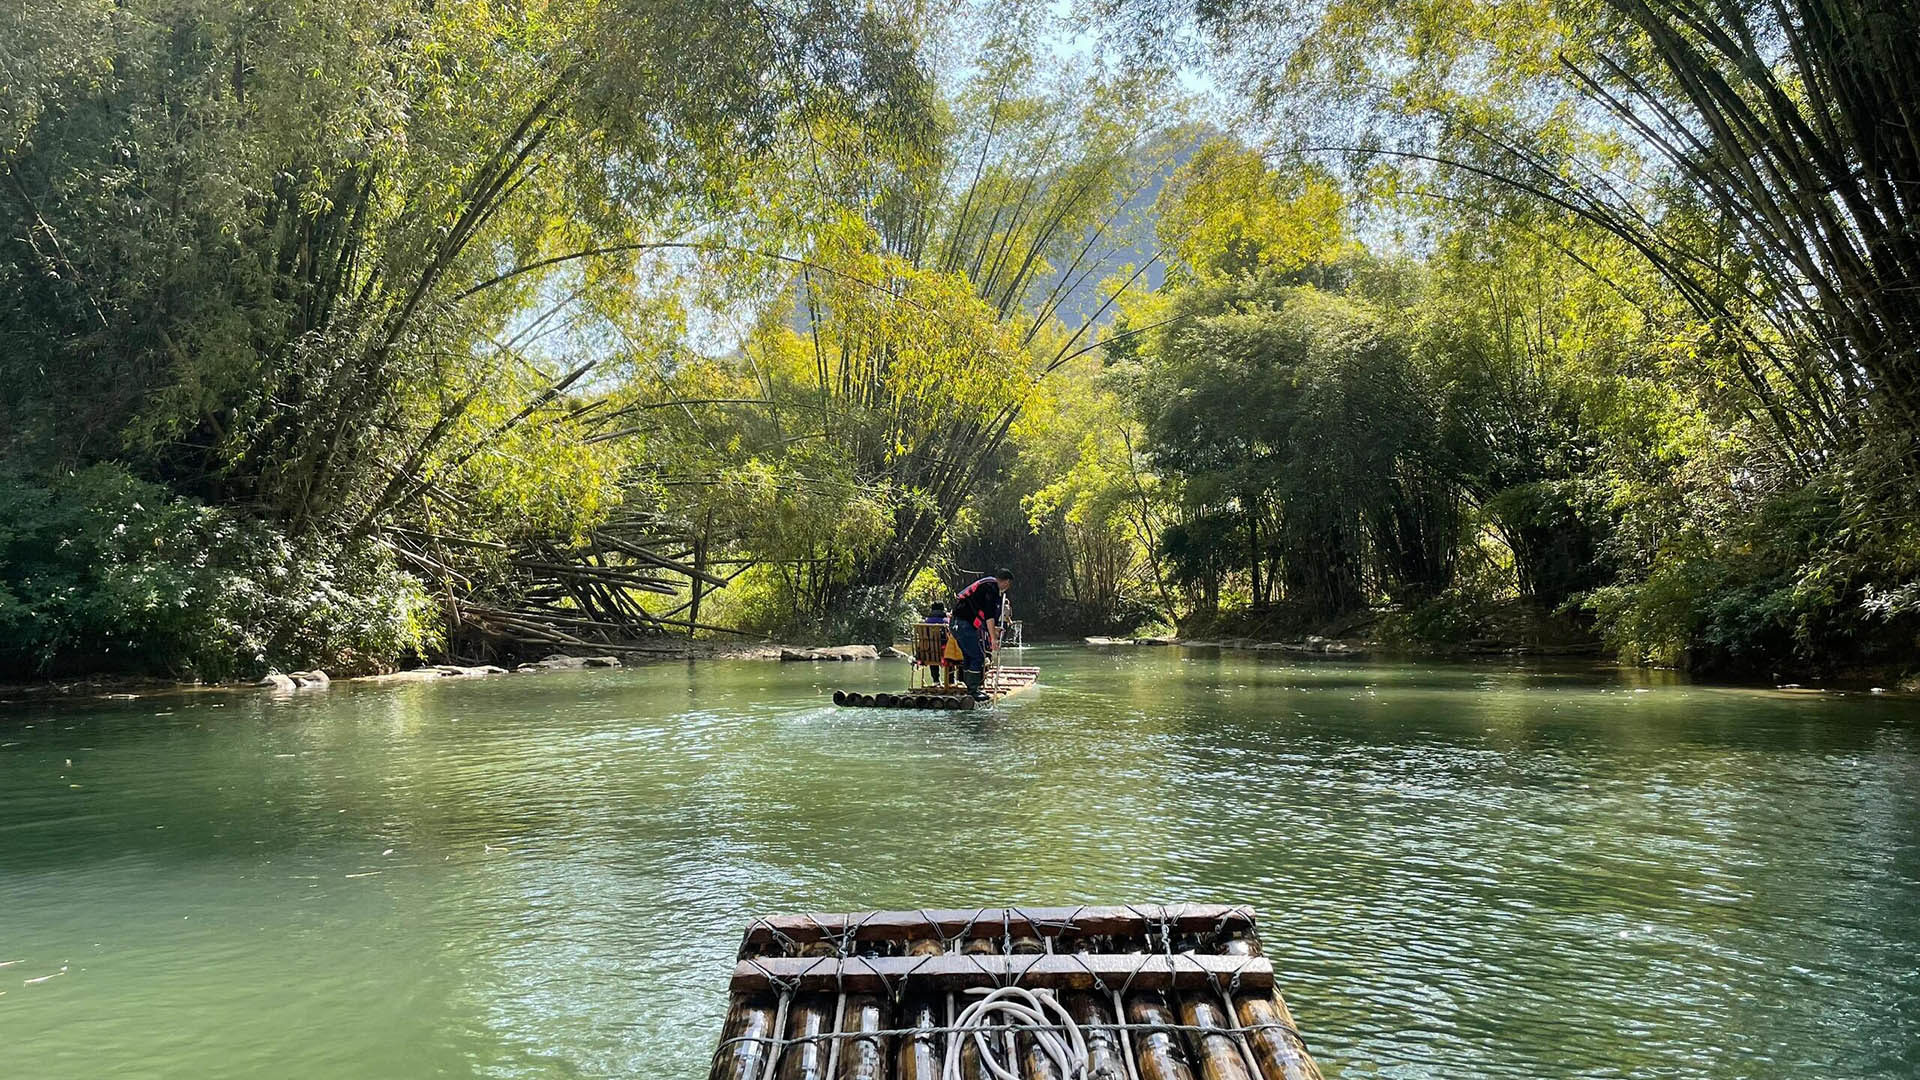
(927,688)
(1147,992)
(1002,682)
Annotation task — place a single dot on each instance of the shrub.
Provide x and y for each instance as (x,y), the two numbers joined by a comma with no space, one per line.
(1785,587)
(100,571)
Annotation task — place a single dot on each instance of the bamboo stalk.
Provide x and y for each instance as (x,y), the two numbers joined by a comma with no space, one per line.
(1281,1054)
(971,1067)
(810,1016)
(1158,1052)
(920,1057)
(864,1058)
(1218,1055)
(745,1039)
(1104,1061)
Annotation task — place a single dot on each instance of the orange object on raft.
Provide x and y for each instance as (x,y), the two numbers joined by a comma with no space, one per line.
(1174,992)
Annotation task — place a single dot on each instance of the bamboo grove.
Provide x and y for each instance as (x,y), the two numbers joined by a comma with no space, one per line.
(345,333)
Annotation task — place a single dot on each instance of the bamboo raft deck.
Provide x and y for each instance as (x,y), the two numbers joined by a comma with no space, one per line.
(1142,992)
(1001,683)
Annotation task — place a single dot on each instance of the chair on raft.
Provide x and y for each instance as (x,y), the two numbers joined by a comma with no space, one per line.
(929,650)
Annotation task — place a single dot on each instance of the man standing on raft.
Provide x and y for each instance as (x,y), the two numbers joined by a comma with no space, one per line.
(976,612)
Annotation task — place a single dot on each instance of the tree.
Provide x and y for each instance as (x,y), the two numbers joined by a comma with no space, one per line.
(280,259)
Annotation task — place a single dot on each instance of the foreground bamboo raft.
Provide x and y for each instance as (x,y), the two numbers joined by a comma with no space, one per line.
(1002,682)
(1142,992)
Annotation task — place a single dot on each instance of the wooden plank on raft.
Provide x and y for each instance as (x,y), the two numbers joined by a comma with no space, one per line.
(1082,971)
(946,923)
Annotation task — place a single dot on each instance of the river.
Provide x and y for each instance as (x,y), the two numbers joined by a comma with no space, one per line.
(1461,871)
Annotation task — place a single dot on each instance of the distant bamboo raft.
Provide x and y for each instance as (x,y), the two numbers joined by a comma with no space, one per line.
(1001,683)
(1142,992)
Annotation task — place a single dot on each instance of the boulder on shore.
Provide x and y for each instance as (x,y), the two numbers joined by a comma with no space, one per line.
(836,652)
(299,680)
(437,671)
(563,662)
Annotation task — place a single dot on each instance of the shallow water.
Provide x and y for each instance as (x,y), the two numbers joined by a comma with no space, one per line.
(1461,871)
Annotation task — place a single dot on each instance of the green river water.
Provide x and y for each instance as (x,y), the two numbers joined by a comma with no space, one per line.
(1461,871)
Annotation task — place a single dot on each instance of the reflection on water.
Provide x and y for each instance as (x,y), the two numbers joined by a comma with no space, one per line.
(1462,871)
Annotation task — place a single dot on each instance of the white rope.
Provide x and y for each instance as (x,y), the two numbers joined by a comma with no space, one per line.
(1016,1008)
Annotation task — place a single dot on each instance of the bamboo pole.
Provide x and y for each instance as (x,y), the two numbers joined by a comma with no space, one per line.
(920,1057)
(746,1040)
(810,1016)
(1158,1052)
(1106,1054)
(865,1058)
(1281,1054)
(1104,1061)
(1217,1053)
(971,1067)
(1027,1050)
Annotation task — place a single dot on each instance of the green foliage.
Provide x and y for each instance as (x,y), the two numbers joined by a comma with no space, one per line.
(1658,297)
(305,263)
(1780,589)
(103,572)
(1295,420)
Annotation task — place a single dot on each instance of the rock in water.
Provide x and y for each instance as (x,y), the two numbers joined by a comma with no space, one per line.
(282,683)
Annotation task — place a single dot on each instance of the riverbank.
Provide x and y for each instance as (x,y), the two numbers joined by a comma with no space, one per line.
(1350,646)
(128,687)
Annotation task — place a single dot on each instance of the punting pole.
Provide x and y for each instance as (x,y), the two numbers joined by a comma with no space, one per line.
(746,1040)
(1159,1052)
(921,1056)
(809,1017)
(1281,1054)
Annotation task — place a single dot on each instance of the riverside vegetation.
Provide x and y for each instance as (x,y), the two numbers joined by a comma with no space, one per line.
(339,334)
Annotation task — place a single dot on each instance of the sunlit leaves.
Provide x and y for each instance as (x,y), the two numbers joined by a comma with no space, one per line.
(1226,212)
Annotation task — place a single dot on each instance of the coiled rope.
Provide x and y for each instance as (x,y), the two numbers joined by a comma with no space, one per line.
(1023,1011)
